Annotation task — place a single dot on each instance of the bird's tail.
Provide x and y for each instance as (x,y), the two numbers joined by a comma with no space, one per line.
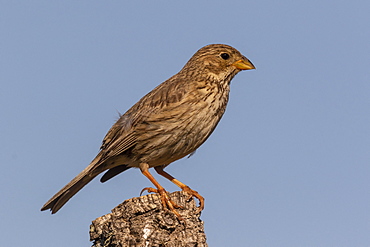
(66,193)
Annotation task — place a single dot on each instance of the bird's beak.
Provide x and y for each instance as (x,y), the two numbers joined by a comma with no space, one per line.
(244,64)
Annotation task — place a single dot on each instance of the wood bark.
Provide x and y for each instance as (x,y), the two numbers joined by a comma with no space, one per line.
(141,221)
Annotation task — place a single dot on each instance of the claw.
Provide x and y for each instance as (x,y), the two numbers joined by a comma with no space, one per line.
(149,190)
(160,171)
(195,194)
(167,203)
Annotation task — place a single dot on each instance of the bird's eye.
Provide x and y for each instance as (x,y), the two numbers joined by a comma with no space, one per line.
(225,56)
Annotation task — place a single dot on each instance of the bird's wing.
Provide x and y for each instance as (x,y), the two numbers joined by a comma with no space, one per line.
(118,139)
(156,104)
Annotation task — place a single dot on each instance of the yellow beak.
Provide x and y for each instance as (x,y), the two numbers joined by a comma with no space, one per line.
(244,64)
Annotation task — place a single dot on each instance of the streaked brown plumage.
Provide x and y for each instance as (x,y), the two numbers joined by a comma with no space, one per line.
(168,123)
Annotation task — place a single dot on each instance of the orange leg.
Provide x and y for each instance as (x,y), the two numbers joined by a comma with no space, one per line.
(167,203)
(160,171)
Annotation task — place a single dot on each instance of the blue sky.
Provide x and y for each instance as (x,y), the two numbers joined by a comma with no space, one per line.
(288,164)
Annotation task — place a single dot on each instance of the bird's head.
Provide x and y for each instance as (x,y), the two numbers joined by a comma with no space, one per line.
(218,61)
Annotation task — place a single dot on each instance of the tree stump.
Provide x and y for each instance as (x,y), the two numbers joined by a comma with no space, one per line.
(141,221)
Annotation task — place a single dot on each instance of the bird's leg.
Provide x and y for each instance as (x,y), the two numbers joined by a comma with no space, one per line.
(167,203)
(160,171)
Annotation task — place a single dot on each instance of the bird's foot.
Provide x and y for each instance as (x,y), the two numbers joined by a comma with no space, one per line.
(167,203)
(195,194)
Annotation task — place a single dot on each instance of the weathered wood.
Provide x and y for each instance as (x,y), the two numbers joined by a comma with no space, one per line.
(141,221)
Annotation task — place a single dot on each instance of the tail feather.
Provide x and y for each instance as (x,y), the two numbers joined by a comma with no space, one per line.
(76,184)
(113,172)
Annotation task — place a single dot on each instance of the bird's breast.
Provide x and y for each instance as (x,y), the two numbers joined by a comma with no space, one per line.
(179,129)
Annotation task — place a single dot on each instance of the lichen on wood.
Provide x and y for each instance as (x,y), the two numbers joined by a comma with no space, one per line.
(142,221)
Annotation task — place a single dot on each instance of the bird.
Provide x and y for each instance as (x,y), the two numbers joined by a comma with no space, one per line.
(165,125)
